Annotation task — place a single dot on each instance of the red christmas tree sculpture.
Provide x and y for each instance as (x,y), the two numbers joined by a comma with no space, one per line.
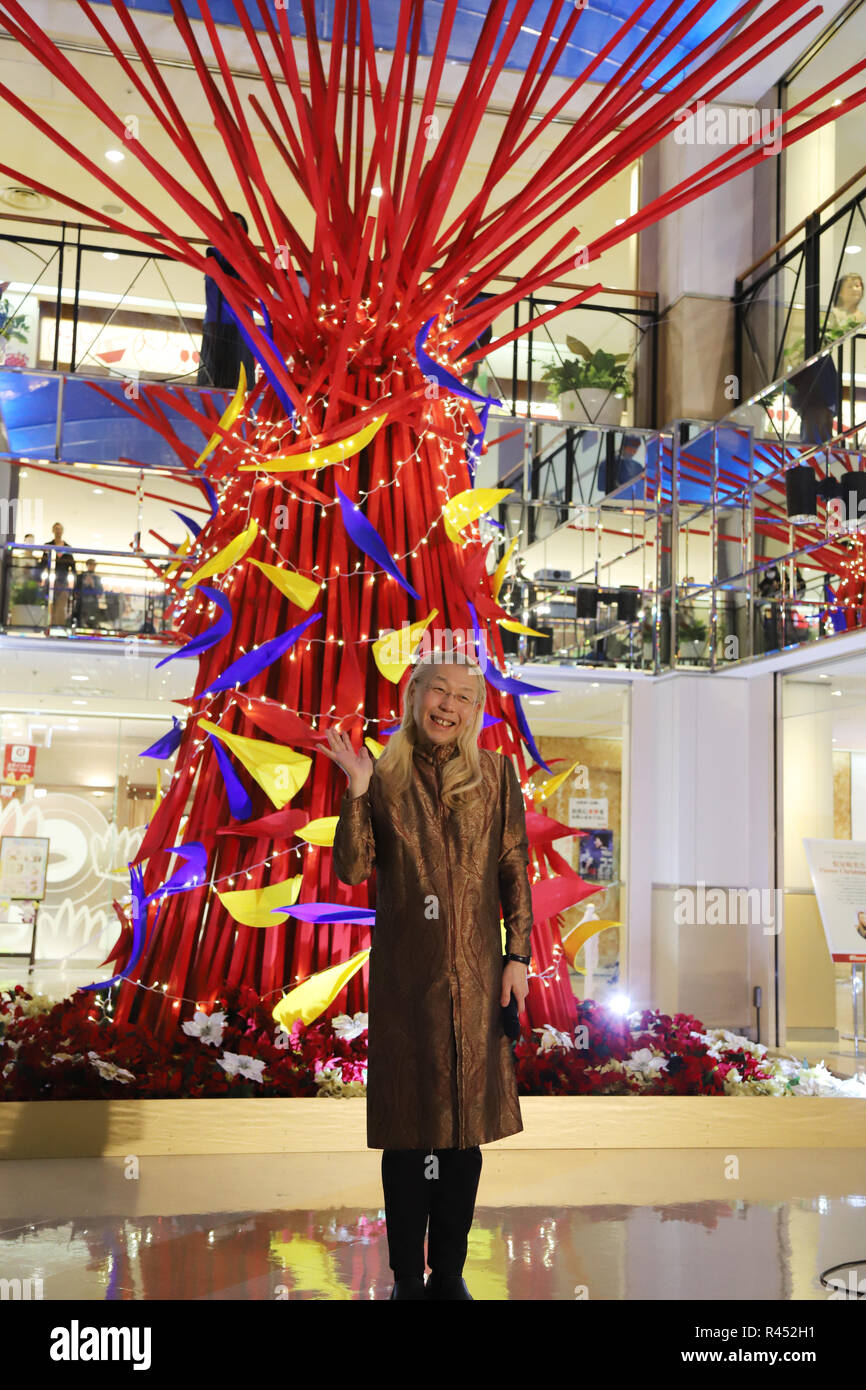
(391,251)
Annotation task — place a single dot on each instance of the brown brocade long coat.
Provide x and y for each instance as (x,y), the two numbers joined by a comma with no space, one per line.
(440,1073)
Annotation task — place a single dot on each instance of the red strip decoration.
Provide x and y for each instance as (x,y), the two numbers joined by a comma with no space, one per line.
(343,356)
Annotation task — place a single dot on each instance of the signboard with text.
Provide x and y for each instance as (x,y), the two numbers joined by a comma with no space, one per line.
(838,869)
(19,763)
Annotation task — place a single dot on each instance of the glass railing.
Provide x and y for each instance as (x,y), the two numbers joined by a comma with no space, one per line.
(59,591)
(81,300)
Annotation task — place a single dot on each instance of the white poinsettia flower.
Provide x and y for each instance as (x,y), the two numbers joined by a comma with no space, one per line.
(647,1062)
(108,1071)
(237,1064)
(208,1027)
(347,1027)
(551,1037)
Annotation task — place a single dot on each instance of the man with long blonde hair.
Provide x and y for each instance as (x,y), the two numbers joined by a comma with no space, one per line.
(443,824)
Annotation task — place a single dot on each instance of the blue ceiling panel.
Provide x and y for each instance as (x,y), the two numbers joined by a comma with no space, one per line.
(595,28)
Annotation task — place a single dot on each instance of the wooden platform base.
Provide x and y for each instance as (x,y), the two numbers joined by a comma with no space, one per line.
(85,1128)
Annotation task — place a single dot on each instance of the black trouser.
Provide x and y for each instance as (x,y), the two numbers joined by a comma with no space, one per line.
(448,1200)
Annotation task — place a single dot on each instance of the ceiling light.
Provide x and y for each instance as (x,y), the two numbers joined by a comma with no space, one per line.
(97,489)
(376,192)
(619,221)
(853,250)
(23,473)
(837,692)
(79,678)
(115,156)
(110,256)
(838,101)
(79,702)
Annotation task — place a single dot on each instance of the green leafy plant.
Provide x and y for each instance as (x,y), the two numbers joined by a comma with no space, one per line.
(794,354)
(26,592)
(691,630)
(587,370)
(12,325)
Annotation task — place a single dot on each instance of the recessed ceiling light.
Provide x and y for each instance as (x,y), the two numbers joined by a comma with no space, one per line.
(619,221)
(376,192)
(838,101)
(97,489)
(79,678)
(79,702)
(110,256)
(115,156)
(853,250)
(837,692)
(823,678)
(23,473)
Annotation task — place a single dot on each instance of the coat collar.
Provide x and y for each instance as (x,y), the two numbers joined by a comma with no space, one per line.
(438,754)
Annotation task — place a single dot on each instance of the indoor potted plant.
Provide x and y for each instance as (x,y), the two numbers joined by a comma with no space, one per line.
(592,387)
(691,637)
(27,604)
(12,326)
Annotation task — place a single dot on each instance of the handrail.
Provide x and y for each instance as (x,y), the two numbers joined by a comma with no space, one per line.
(66,225)
(861,173)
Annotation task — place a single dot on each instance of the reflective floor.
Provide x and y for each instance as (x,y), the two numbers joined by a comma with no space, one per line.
(563,1224)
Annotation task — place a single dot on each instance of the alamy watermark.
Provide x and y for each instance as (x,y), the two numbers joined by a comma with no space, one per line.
(730,125)
(723,907)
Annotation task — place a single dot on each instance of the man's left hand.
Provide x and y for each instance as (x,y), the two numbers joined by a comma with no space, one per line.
(514,978)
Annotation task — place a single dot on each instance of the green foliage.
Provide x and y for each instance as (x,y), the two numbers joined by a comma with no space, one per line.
(601,370)
(12,325)
(691,630)
(26,592)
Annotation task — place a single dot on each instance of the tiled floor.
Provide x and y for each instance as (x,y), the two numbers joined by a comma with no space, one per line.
(650,1224)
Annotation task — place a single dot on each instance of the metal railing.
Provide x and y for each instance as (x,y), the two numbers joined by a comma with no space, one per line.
(58,591)
(90,315)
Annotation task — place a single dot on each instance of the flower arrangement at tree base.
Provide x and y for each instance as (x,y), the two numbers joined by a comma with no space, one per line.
(73,1050)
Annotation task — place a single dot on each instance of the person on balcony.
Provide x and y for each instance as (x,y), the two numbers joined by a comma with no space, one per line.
(222,347)
(845,310)
(89,596)
(64,568)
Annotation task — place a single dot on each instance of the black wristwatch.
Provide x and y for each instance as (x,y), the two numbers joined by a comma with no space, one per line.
(522,960)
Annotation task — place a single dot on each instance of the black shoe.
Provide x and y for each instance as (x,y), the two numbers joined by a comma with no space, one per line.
(447,1286)
(413,1287)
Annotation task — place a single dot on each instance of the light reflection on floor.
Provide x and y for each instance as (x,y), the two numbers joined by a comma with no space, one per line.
(615,1225)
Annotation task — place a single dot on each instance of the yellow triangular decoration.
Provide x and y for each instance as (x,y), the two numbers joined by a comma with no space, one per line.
(376,749)
(319,832)
(296,587)
(468,506)
(549,787)
(225,558)
(228,417)
(499,572)
(513,626)
(279,771)
(393,652)
(320,458)
(310,999)
(183,549)
(579,935)
(254,906)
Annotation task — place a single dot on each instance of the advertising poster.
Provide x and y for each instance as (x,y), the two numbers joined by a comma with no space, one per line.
(596,856)
(23,867)
(588,812)
(19,763)
(838,869)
